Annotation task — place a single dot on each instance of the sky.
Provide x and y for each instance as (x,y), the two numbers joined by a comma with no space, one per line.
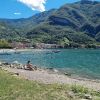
(14,9)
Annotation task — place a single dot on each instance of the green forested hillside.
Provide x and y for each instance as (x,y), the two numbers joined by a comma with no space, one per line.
(76,23)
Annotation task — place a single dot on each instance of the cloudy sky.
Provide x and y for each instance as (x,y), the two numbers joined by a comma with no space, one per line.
(25,8)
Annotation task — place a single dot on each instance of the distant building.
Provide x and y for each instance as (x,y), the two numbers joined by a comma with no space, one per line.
(21,45)
(45,46)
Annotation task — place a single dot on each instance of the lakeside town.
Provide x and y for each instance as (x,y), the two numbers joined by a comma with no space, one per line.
(29,45)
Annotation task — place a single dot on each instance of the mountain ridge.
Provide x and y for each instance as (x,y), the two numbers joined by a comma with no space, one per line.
(78,22)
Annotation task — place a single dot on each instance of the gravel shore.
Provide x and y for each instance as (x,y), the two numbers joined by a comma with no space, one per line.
(43,76)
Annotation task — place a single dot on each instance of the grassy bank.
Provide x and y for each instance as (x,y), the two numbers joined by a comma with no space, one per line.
(16,88)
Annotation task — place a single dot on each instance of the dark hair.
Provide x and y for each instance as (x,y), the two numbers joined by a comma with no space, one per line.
(28,61)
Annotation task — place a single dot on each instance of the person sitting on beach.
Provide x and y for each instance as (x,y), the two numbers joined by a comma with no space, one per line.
(29,66)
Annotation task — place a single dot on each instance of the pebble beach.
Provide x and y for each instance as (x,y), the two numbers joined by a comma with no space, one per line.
(48,77)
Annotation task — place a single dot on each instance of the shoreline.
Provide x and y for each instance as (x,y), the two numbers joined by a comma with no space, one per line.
(16,65)
(70,75)
(49,77)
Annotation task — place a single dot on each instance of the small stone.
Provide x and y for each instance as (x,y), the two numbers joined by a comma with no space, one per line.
(16,74)
(5,63)
(87,96)
(15,62)
(55,70)
(71,94)
(0,63)
(67,74)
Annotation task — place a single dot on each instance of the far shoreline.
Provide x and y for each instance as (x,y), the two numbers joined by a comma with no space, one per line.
(29,49)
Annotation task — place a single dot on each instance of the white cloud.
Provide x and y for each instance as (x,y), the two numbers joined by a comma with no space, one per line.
(34,4)
(17,13)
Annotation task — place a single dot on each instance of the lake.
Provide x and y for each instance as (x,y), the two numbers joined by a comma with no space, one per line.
(78,62)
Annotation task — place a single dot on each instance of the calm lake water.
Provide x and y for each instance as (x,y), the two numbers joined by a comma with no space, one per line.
(78,62)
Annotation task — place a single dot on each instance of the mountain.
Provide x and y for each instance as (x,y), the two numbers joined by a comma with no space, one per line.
(76,23)
(24,25)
